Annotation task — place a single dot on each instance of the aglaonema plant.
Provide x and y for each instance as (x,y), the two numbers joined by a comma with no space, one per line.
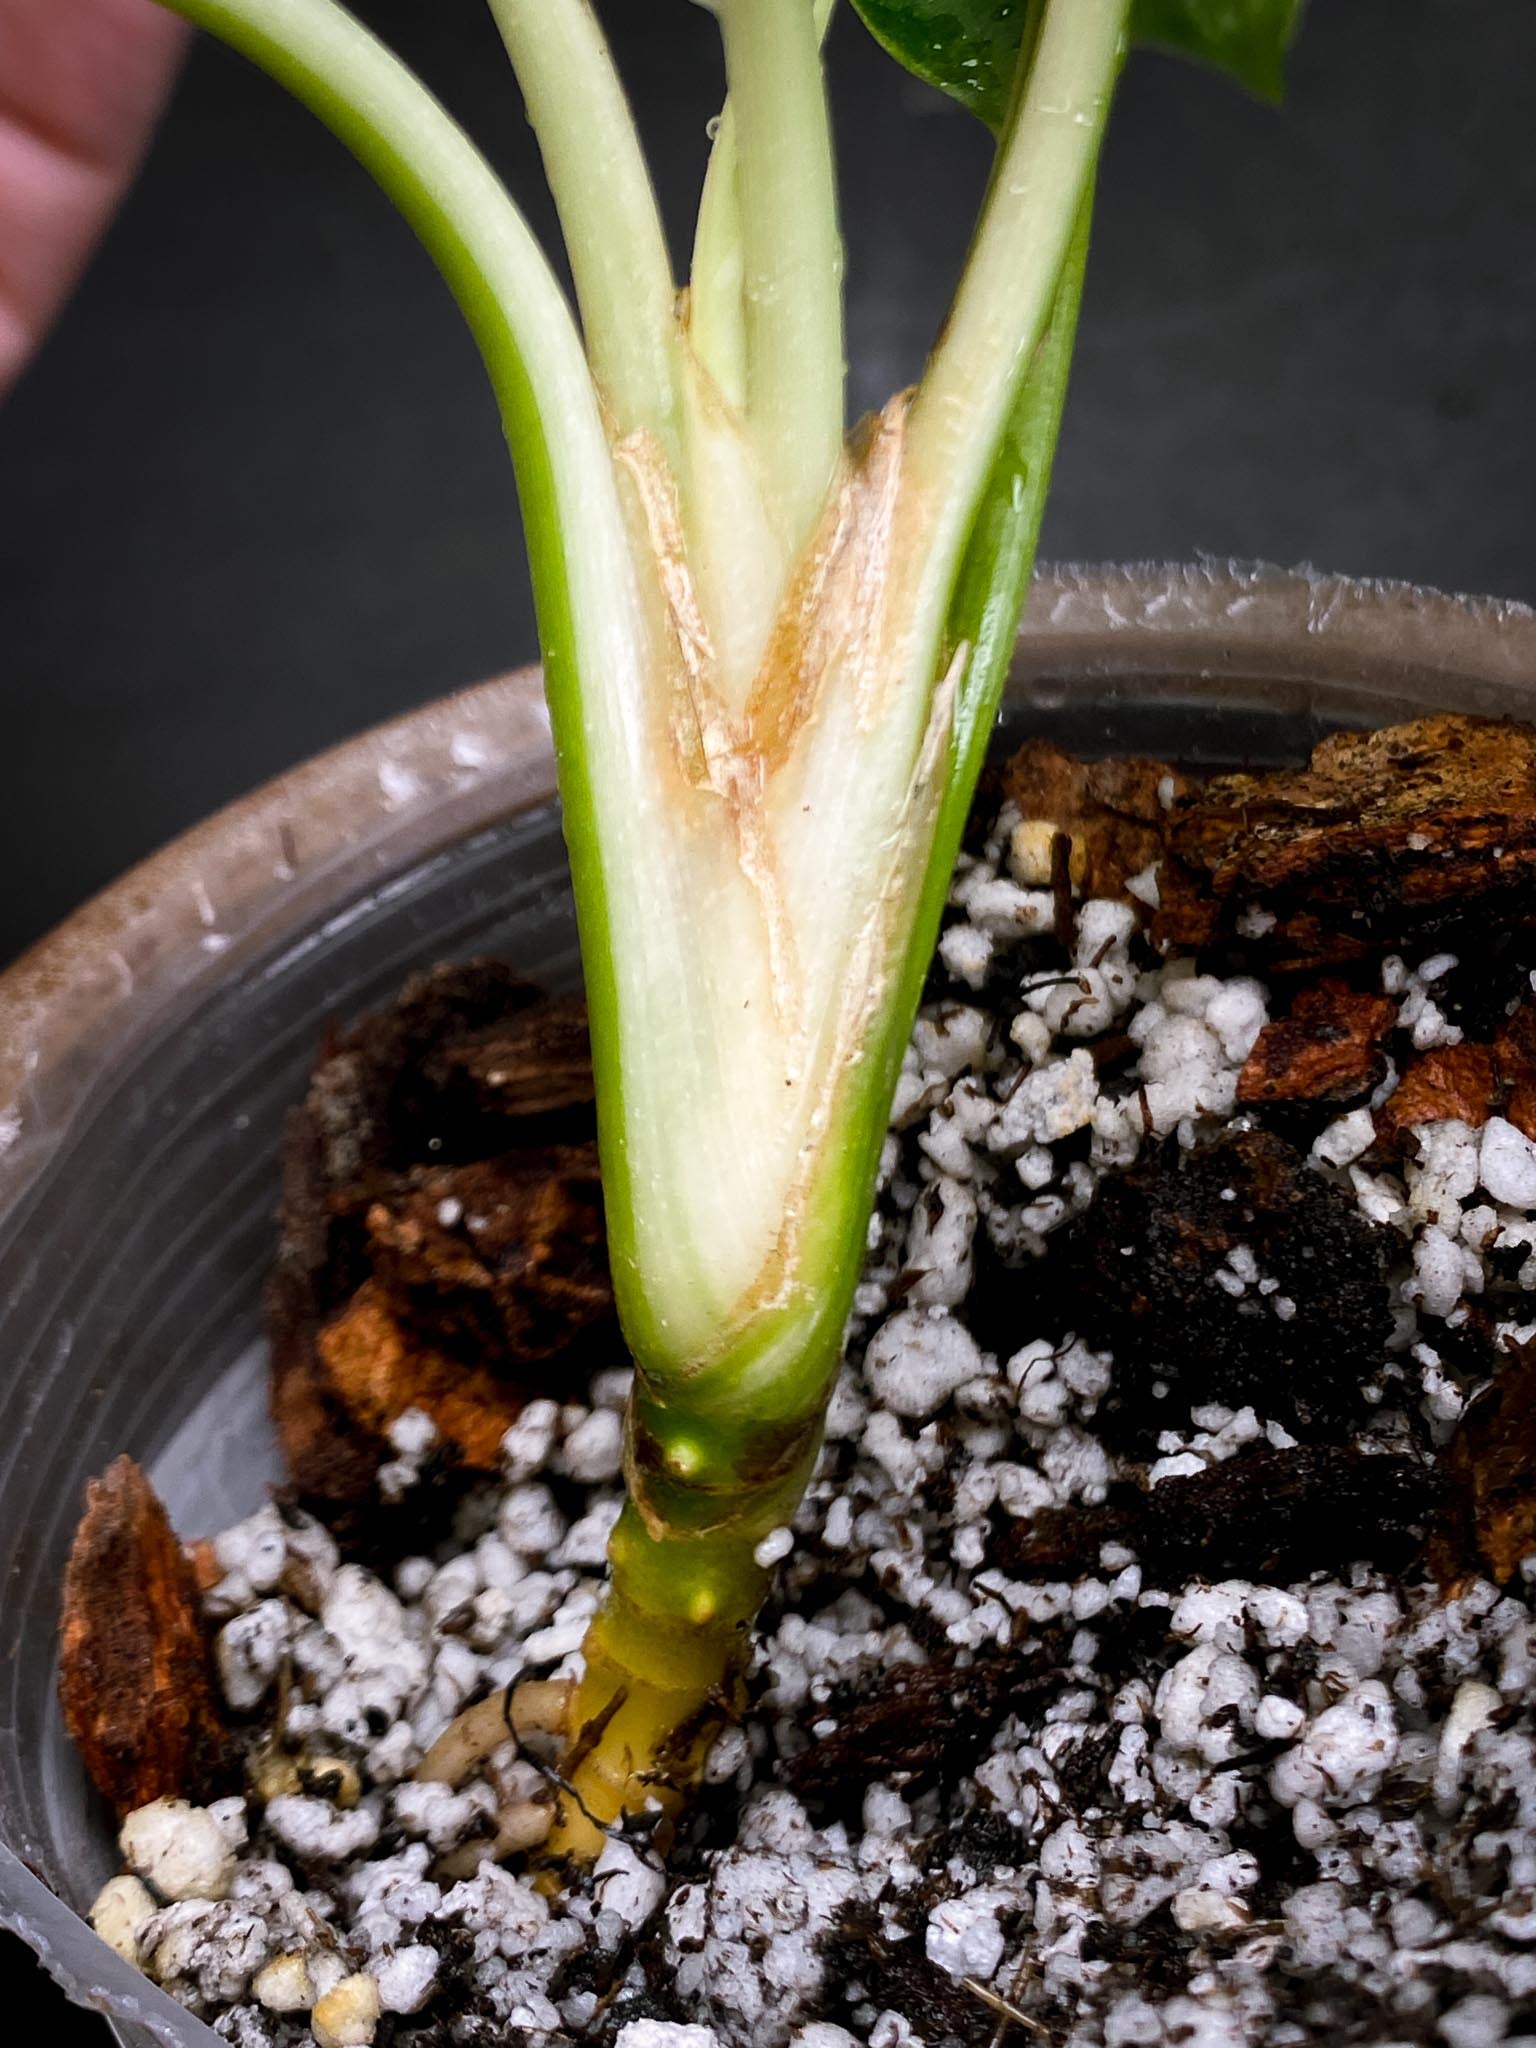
(773,654)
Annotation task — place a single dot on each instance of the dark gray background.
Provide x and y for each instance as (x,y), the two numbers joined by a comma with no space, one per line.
(253,490)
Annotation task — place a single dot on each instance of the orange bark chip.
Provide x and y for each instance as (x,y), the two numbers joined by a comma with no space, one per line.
(1453,1082)
(377,1372)
(1385,839)
(135,1674)
(1328,1049)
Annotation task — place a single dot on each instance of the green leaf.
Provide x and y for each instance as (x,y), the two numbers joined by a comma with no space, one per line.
(970,48)
(1246,38)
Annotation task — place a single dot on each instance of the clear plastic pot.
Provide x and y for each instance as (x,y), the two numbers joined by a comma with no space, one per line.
(149,1048)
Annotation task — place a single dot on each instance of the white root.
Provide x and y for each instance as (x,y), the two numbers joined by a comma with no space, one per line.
(538,1707)
(466,1742)
(542,1706)
(519,1827)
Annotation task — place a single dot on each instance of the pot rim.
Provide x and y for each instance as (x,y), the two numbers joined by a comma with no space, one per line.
(281,858)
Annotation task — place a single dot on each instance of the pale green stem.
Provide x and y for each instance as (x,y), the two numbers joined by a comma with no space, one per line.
(739,554)
(667,1649)
(717,308)
(717,324)
(602,190)
(1009,285)
(791,253)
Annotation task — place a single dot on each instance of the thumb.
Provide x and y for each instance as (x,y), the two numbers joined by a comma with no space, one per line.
(81,84)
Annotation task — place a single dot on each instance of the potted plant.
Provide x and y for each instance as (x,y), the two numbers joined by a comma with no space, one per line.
(774,662)
(773,658)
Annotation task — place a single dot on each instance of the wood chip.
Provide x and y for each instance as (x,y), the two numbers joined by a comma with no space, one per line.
(1385,839)
(456,1067)
(1490,1469)
(535,1063)
(1112,811)
(442,1231)
(1468,1083)
(505,1255)
(1327,1050)
(331,1457)
(376,1369)
(135,1675)
(1451,1082)
(1514,1052)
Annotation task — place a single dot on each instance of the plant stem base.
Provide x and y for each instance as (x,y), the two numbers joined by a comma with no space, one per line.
(664,1663)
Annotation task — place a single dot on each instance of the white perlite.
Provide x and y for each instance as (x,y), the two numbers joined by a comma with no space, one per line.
(963,1936)
(1342,1143)
(179,1849)
(1211,1798)
(664,2034)
(1507,1164)
(124,1908)
(407,1978)
(918,1359)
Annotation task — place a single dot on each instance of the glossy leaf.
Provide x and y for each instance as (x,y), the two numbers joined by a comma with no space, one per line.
(970,48)
(1248,39)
